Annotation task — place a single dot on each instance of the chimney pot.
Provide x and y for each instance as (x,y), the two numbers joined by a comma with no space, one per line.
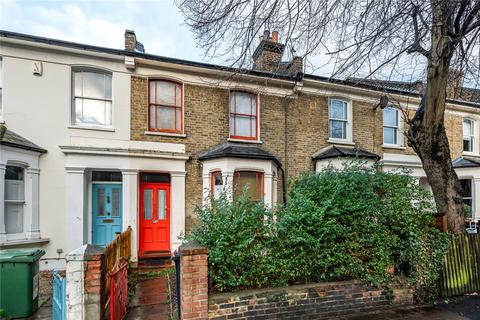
(266,34)
(275,36)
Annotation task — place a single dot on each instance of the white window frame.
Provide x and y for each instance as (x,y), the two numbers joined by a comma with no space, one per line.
(348,134)
(471,137)
(472,197)
(1,89)
(86,125)
(399,129)
(23,202)
(29,162)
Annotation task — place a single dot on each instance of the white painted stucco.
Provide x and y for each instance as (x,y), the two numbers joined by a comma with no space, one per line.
(38,107)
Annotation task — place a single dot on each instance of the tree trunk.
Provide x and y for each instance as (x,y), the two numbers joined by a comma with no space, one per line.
(431,145)
(427,133)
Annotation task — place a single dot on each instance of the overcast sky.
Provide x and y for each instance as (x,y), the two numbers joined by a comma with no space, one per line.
(157,23)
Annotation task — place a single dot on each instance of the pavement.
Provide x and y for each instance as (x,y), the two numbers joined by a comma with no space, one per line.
(461,308)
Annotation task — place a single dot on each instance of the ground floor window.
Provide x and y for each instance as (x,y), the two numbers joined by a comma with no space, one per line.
(249,182)
(14,199)
(216,184)
(467,194)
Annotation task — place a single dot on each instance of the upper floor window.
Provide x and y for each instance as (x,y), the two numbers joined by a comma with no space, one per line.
(391,126)
(243,115)
(165,106)
(468,135)
(216,184)
(14,199)
(467,194)
(92,98)
(250,182)
(339,119)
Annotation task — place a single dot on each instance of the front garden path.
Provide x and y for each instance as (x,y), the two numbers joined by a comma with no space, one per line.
(152,297)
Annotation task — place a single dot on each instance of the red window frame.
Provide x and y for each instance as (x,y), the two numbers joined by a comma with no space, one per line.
(234,114)
(259,177)
(156,105)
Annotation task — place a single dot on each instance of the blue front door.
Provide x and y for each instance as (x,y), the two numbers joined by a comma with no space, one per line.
(107,212)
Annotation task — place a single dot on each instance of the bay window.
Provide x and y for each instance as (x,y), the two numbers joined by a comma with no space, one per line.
(165,112)
(14,199)
(338,119)
(243,115)
(468,135)
(92,98)
(391,127)
(249,182)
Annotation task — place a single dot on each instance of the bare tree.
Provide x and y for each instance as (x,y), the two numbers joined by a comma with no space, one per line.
(364,37)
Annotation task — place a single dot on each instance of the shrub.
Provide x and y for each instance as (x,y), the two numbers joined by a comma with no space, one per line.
(236,234)
(351,223)
(356,223)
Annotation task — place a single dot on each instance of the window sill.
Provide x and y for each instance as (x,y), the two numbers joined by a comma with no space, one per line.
(392,146)
(20,242)
(245,141)
(165,134)
(83,127)
(338,141)
(469,153)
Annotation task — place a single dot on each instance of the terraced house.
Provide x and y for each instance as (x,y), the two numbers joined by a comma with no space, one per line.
(101,139)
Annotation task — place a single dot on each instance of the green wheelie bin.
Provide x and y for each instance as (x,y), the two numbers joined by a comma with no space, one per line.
(19,281)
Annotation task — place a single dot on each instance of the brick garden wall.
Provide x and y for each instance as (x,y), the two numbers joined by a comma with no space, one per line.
(311,301)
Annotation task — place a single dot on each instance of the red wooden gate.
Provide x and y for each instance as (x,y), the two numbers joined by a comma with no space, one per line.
(119,290)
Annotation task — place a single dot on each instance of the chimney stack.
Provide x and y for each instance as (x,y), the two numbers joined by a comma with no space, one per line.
(130,40)
(454,83)
(269,52)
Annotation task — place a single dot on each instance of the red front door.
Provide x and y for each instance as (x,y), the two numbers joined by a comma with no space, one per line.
(154,219)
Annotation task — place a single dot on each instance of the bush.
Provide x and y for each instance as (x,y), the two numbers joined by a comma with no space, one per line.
(236,234)
(356,223)
(351,223)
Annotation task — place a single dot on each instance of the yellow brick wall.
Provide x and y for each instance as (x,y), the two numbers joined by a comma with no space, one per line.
(292,129)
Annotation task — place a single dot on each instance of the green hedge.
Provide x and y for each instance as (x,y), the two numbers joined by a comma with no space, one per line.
(350,223)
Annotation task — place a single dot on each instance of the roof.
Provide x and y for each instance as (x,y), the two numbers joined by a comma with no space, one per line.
(468,96)
(466,162)
(337,152)
(237,150)
(12,139)
(413,87)
(121,52)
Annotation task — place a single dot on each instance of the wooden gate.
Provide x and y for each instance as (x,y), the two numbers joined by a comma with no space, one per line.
(116,254)
(59,295)
(461,267)
(119,290)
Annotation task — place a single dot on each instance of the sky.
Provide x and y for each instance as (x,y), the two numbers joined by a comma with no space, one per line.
(158,24)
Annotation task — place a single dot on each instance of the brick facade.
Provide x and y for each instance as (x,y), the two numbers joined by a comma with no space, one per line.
(310,301)
(291,128)
(193,281)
